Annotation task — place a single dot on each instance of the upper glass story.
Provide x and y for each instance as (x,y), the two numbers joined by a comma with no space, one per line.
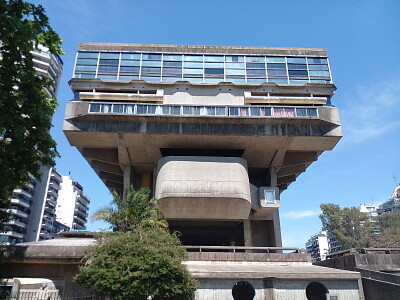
(202,68)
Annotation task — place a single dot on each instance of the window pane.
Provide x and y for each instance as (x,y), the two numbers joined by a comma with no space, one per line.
(233,111)
(95,107)
(312,112)
(213,65)
(88,55)
(316,60)
(213,71)
(301,112)
(297,66)
(296,60)
(220,111)
(256,80)
(165,110)
(255,111)
(210,111)
(155,63)
(194,79)
(255,59)
(129,109)
(107,77)
(234,72)
(109,62)
(192,71)
(278,80)
(214,58)
(298,81)
(151,109)
(82,61)
(172,64)
(318,67)
(276,72)
(172,57)
(193,58)
(319,73)
(188,110)
(85,68)
(234,65)
(256,72)
(151,56)
(109,55)
(112,69)
(118,108)
(80,75)
(129,69)
(171,79)
(234,58)
(135,56)
(151,70)
(237,80)
(269,196)
(130,63)
(275,59)
(266,111)
(276,66)
(298,73)
(140,109)
(128,78)
(192,65)
(172,71)
(175,110)
(255,65)
(150,78)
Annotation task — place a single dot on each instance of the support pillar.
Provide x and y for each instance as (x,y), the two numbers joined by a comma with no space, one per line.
(274,176)
(129,176)
(247,233)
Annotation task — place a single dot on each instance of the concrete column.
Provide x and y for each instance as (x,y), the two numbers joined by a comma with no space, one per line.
(247,233)
(128,178)
(277,229)
(274,176)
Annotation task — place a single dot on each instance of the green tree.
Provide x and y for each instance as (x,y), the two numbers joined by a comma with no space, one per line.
(25,121)
(389,231)
(138,263)
(125,214)
(350,226)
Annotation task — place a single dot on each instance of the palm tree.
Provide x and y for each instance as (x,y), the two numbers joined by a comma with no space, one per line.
(135,210)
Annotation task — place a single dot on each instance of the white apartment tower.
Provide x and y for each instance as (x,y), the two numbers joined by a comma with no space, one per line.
(72,204)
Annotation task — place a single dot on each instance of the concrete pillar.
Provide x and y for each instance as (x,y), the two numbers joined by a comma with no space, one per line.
(247,233)
(274,176)
(129,175)
(277,229)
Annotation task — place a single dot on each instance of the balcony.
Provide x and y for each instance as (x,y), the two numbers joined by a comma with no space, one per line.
(13,234)
(201,111)
(16,223)
(81,212)
(56,176)
(22,192)
(80,219)
(18,213)
(20,202)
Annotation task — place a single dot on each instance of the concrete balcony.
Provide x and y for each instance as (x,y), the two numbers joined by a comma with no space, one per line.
(13,234)
(20,202)
(18,213)
(203,187)
(80,219)
(16,223)
(22,192)
(56,176)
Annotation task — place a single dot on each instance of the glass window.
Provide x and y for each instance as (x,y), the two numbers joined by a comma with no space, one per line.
(255,59)
(276,66)
(135,56)
(109,62)
(255,111)
(129,69)
(237,80)
(312,112)
(317,60)
(151,109)
(107,77)
(106,108)
(298,73)
(150,70)
(301,112)
(193,58)
(192,71)
(197,110)
(284,112)
(83,75)
(155,63)
(297,66)
(193,65)
(276,72)
(298,81)
(141,109)
(130,63)
(213,65)
(85,61)
(256,72)
(234,58)
(255,65)
(118,108)
(233,111)
(266,111)
(172,64)
(277,59)
(175,110)
(172,57)
(269,196)
(210,111)
(85,68)
(188,110)
(150,78)
(319,73)
(256,80)
(94,107)
(112,69)
(214,58)
(88,55)
(220,111)
(244,111)
(212,80)
(296,60)
(146,56)
(234,65)
(165,110)
(194,79)
(318,67)
(235,72)
(129,109)
(318,81)
(213,71)
(172,71)
(171,79)
(128,78)
(109,55)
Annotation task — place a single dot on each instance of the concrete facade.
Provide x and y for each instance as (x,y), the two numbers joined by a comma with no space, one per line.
(216,147)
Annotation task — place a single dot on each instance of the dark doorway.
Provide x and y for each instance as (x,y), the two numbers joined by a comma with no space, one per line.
(242,290)
(316,291)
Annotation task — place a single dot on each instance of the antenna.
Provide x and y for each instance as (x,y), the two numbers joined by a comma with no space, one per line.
(395,180)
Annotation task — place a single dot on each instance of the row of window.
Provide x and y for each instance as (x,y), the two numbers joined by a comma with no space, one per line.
(202,68)
(180,110)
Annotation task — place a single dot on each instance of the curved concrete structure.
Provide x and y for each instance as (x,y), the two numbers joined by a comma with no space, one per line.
(203,187)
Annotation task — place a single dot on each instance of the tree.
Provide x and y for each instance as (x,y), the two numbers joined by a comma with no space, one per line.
(351,227)
(25,121)
(389,231)
(136,264)
(134,210)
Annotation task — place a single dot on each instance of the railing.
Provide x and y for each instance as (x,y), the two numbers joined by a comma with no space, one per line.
(199,111)
(364,251)
(235,249)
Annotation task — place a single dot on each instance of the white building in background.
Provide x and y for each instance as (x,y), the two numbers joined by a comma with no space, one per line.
(318,245)
(72,204)
(392,205)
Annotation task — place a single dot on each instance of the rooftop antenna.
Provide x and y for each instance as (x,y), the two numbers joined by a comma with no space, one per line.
(395,180)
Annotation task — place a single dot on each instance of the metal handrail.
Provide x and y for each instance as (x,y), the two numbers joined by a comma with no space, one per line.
(235,248)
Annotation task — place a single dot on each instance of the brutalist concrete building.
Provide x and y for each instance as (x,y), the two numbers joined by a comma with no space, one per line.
(217,134)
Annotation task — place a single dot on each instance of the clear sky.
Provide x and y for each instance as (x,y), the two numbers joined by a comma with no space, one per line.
(363,42)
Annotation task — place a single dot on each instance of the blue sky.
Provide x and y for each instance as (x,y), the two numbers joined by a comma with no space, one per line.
(363,42)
